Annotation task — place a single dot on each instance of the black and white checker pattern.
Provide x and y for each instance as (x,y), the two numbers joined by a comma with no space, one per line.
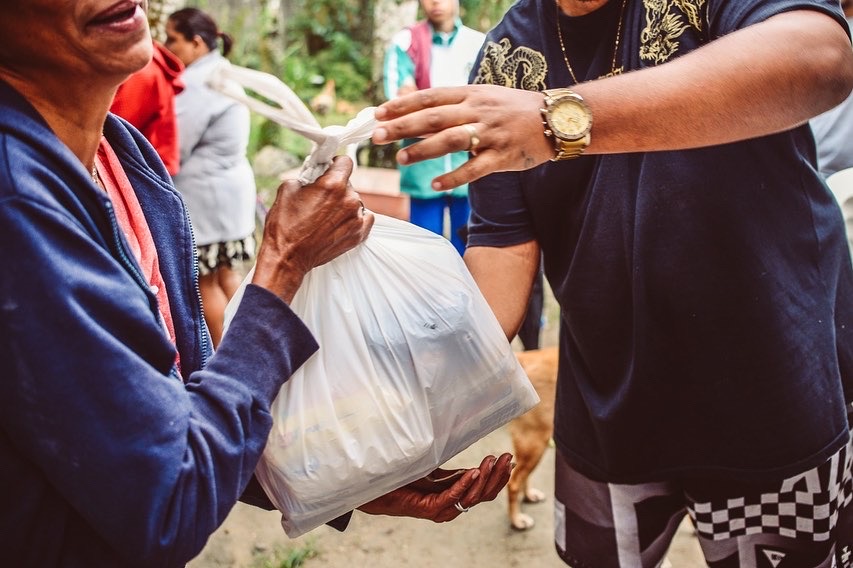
(806,507)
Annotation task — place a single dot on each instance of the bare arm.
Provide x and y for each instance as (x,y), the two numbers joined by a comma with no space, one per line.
(766,78)
(760,80)
(505,277)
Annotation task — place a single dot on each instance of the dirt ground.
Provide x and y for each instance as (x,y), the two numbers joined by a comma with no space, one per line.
(252,538)
(481,538)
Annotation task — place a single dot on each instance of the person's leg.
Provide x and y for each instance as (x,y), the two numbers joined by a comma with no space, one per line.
(531,326)
(460,211)
(229,280)
(606,525)
(427,213)
(805,521)
(213,301)
(227,277)
(206,259)
(231,273)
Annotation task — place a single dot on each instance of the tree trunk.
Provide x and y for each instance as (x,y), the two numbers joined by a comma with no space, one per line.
(158,12)
(389,16)
(287,9)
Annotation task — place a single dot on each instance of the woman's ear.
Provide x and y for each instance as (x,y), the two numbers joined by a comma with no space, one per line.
(198,44)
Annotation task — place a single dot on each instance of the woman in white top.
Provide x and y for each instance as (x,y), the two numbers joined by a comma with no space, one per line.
(215,178)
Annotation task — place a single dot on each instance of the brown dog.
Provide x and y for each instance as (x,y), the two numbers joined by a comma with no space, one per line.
(531,432)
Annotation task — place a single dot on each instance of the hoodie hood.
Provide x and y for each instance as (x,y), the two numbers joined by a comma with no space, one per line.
(171,66)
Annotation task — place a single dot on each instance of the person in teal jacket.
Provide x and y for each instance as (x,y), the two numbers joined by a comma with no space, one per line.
(436,52)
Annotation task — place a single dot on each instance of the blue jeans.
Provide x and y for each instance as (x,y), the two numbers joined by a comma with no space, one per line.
(429,214)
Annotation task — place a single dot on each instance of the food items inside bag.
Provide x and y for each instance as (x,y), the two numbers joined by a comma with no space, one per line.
(413,368)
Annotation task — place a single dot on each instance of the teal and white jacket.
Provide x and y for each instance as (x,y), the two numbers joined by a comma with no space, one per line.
(447,63)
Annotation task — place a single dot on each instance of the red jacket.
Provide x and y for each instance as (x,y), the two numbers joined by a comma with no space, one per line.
(147,101)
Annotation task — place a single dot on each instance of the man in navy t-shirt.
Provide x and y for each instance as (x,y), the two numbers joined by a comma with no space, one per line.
(699,261)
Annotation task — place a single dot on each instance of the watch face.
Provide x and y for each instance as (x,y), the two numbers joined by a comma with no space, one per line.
(569,119)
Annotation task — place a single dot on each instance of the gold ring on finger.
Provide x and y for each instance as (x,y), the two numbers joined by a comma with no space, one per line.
(474,139)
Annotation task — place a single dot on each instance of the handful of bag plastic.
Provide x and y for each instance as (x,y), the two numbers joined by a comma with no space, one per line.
(413,368)
(292,113)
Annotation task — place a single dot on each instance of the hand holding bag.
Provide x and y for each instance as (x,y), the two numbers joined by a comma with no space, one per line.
(413,367)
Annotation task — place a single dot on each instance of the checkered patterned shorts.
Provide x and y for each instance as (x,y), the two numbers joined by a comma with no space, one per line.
(805,521)
(805,506)
(230,254)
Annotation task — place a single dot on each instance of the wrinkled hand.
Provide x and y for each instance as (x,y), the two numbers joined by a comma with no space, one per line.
(507,123)
(434,497)
(309,226)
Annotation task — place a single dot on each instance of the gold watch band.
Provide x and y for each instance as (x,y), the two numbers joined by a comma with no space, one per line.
(566,147)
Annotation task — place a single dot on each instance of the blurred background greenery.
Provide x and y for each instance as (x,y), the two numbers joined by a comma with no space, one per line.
(308,42)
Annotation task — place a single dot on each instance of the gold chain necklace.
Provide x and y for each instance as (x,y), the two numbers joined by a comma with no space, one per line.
(94,173)
(613,69)
(96,177)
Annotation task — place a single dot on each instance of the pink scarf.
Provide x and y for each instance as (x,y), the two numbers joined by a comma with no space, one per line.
(132,221)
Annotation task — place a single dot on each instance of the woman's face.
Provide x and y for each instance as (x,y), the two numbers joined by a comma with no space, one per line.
(187,49)
(73,39)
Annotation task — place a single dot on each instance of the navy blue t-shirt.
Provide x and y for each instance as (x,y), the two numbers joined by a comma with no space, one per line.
(706,295)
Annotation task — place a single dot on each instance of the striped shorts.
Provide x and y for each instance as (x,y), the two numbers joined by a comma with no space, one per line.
(805,521)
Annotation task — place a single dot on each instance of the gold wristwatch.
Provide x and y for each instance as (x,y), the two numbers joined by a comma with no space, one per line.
(568,121)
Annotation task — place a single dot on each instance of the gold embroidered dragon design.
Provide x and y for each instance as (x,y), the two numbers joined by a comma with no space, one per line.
(525,68)
(521,67)
(666,21)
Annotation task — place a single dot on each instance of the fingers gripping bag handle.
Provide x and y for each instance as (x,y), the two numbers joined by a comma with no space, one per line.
(291,113)
(413,368)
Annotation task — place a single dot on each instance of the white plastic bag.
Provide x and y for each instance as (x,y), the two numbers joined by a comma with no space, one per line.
(291,112)
(413,368)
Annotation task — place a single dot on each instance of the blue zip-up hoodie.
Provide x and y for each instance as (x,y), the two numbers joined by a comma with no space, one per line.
(107,458)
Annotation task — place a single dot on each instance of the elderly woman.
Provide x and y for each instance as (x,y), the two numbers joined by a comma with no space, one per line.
(124,442)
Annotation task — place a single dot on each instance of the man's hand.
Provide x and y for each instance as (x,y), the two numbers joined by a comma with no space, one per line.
(800,65)
(309,226)
(500,117)
(436,496)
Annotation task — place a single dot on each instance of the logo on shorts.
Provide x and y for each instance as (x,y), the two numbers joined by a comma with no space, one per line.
(774,557)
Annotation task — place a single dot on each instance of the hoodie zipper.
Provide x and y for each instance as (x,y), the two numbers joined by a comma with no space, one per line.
(205,349)
(133,268)
(125,259)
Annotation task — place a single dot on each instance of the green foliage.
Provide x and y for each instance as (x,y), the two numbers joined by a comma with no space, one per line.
(484,14)
(330,42)
(287,557)
(267,133)
(306,75)
(306,42)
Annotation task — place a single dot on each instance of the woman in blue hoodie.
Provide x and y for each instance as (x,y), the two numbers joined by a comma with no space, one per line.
(123,440)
